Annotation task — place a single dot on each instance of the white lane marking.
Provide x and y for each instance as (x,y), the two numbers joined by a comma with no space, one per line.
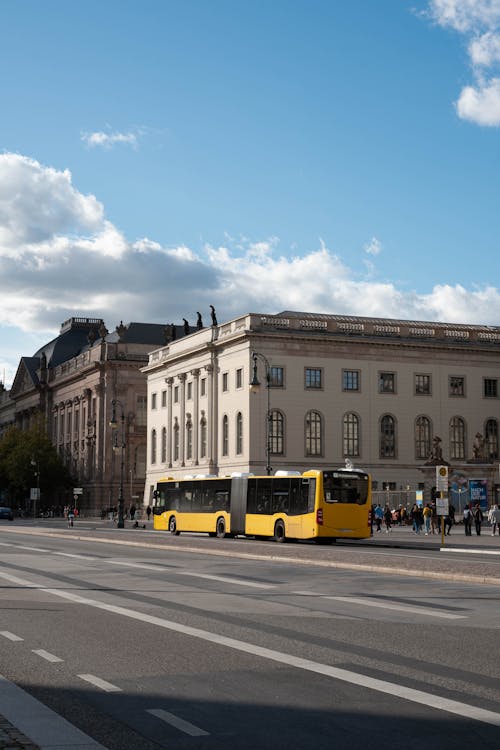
(97,682)
(305,593)
(398,607)
(135,565)
(178,723)
(46,655)
(226,579)
(11,636)
(427,699)
(470,551)
(79,557)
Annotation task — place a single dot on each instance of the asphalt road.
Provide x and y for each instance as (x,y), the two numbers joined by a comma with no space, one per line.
(146,641)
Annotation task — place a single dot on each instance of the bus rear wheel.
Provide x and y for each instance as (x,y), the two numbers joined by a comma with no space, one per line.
(279,531)
(172,526)
(220,528)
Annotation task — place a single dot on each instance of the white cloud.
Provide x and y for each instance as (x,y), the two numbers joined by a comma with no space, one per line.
(479,22)
(108,140)
(482,104)
(60,257)
(374,247)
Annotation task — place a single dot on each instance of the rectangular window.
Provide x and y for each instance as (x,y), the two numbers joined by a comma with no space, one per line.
(423,385)
(163,399)
(203,386)
(276,377)
(190,391)
(456,386)
(142,411)
(387,382)
(225,380)
(313,377)
(176,394)
(351,380)
(153,400)
(490,388)
(239,378)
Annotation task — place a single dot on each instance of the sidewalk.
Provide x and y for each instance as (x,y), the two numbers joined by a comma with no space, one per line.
(12,739)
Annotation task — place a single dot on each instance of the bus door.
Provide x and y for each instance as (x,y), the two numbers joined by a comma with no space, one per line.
(238,504)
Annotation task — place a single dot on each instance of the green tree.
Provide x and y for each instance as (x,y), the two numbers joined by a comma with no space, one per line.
(23,455)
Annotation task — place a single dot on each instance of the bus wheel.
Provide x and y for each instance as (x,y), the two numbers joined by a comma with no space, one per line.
(172,526)
(220,528)
(279,531)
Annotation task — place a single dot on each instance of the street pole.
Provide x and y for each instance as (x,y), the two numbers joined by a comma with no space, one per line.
(255,387)
(114,425)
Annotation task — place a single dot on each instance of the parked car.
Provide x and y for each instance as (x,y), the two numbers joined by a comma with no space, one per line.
(6,513)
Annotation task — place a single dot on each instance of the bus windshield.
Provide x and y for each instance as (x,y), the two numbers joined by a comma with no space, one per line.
(345,487)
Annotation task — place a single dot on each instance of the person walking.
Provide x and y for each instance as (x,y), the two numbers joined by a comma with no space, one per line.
(388,519)
(467,520)
(148,512)
(379,517)
(478,518)
(494,519)
(427,513)
(71,517)
(417,518)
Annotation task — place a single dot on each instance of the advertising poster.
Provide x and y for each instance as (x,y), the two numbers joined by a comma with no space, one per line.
(478,492)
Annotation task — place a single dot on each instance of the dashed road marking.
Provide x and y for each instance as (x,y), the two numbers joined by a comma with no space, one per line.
(177,722)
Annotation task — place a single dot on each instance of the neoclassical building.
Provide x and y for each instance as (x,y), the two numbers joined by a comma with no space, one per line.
(379,392)
(72,381)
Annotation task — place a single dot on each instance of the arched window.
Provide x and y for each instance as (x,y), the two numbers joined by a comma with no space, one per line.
(225,435)
(422,437)
(313,434)
(457,438)
(153,446)
(239,434)
(491,439)
(189,439)
(203,437)
(350,434)
(164,445)
(276,437)
(387,437)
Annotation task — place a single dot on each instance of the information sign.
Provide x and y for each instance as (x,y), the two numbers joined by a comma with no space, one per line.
(442,506)
(442,478)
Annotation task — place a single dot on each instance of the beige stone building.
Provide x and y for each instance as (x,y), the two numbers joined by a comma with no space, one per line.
(72,381)
(380,392)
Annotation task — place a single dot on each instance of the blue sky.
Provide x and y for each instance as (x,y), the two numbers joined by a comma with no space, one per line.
(158,156)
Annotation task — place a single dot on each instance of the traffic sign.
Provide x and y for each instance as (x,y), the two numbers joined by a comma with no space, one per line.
(77,490)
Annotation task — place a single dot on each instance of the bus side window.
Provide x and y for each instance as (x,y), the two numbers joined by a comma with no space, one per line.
(311,496)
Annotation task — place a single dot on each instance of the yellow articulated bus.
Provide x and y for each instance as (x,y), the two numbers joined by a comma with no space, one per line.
(318,505)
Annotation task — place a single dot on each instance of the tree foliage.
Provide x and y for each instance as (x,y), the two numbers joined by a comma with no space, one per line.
(24,454)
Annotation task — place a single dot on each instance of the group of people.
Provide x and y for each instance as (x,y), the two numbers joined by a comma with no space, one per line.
(426,518)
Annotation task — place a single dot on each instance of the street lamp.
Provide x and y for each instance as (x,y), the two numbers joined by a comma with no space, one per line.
(114,426)
(255,388)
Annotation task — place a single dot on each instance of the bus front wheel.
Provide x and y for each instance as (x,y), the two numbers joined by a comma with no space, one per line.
(220,528)
(172,526)
(279,531)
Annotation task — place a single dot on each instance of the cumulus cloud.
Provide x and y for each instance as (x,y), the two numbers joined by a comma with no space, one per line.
(108,140)
(60,257)
(479,22)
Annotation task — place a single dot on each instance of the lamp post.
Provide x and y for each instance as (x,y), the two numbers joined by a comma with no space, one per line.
(114,426)
(36,464)
(255,388)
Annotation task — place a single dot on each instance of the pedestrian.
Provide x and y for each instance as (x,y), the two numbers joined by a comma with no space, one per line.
(379,517)
(427,514)
(71,517)
(148,512)
(467,520)
(449,519)
(494,519)
(478,518)
(132,512)
(417,518)
(434,519)
(388,519)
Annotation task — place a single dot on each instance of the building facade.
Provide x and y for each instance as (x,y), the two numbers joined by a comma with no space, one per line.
(395,397)
(72,381)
